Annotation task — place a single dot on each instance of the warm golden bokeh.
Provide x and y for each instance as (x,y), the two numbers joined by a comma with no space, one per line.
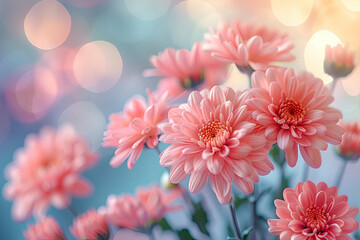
(292,12)
(47,24)
(97,66)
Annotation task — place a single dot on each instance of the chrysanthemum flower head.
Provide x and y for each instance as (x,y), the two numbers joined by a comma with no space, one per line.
(90,226)
(349,148)
(149,205)
(47,171)
(213,137)
(313,212)
(47,228)
(339,61)
(183,70)
(137,126)
(294,111)
(249,46)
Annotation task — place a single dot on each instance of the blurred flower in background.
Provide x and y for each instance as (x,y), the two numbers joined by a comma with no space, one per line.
(47,228)
(47,171)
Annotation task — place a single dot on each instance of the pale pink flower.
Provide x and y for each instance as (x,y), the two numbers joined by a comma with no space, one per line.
(349,148)
(46,229)
(47,171)
(149,205)
(213,137)
(339,61)
(137,126)
(249,46)
(294,111)
(183,69)
(313,212)
(90,226)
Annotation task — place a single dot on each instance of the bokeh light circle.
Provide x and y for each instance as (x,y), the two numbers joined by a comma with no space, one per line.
(351,83)
(149,9)
(292,12)
(352,5)
(47,24)
(87,119)
(314,53)
(97,66)
(32,95)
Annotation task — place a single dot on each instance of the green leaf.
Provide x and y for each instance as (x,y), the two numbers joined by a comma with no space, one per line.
(277,155)
(163,223)
(184,234)
(240,201)
(246,232)
(200,218)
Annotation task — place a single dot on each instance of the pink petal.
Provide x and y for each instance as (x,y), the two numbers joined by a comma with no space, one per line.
(197,181)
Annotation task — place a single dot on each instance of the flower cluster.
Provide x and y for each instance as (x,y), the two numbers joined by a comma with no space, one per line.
(217,135)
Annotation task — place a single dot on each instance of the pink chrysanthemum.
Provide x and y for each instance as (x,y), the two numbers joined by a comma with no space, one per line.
(183,69)
(248,45)
(47,228)
(212,137)
(313,212)
(90,226)
(149,205)
(294,111)
(136,126)
(339,61)
(48,171)
(349,148)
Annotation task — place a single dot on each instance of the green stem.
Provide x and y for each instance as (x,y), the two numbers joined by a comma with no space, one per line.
(341,173)
(157,150)
(333,84)
(254,214)
(306,172)
(235,224)
(72,211)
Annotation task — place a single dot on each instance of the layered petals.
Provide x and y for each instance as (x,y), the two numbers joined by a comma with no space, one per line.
(183,70)
(213,137)
(249,46)
(136,127)
(293,110)
(313,212)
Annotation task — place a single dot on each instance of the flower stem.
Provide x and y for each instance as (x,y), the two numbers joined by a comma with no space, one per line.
(333,84)
(157,150)
(305,173)
(235,224)
(254,214)
(72,210)
(341,173)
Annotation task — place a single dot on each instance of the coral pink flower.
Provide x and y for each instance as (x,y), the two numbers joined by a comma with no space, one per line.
(90,226)
(339,61)
(313,212)
(349,148)
(47,229)
(294,111)
(136,126)
(213,137)
(248,46)
(150,204)
(48,171)
(183,69)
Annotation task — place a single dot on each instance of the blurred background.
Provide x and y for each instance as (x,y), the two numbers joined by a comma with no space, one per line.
(77,61)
